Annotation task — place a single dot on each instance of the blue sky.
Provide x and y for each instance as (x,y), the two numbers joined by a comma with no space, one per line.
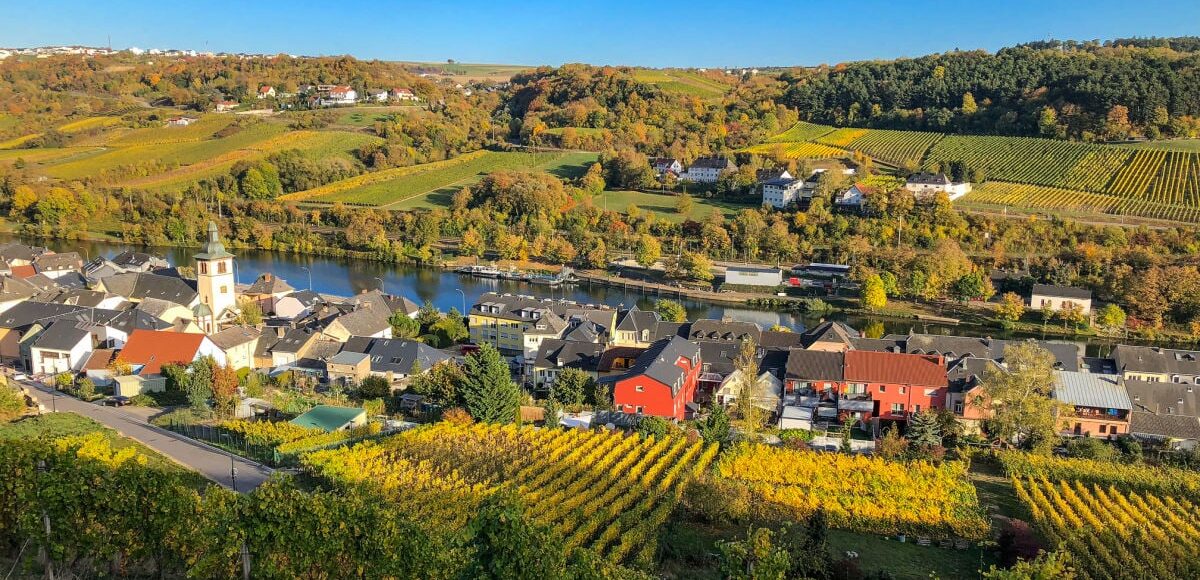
(648,33)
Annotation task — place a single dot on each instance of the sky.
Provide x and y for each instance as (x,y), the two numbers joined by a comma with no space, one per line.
(657,33)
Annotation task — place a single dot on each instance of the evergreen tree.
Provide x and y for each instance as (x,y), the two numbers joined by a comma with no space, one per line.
(715,427)
(488,389)
(571,387)
(924,431)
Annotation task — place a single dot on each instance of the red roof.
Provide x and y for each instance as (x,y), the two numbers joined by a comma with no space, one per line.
(893,367)
(264,89)
(154,348)
(23,272)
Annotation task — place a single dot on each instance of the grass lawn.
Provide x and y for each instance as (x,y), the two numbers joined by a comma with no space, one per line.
(55,425)
(436,187)
(689,550)
(681,81)
(663,205)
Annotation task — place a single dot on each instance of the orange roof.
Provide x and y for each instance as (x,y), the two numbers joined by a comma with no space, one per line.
(865,188)
(154,348)
(23,272)
(893,367)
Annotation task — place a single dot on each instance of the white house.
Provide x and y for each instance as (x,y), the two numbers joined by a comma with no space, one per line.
(62,347)
(753,276)
(377,95)
(297,304)
(180,121)
(770,173)
(266,91)
(223,106)
(854,197)
(663,165)
(338,95)
(1058,296)
(708,169)
(403,94)
(926,185)
(768,390)
(781,192)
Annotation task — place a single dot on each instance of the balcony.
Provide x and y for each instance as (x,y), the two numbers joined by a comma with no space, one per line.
(856,404)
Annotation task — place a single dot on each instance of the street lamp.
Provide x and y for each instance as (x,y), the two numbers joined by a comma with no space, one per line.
(305,268)
(464,300)
(382,286)
(233,472)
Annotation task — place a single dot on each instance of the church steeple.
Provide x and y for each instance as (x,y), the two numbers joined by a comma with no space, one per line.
(213,248)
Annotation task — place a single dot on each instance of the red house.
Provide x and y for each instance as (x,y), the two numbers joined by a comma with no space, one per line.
(895,384)
(662,381)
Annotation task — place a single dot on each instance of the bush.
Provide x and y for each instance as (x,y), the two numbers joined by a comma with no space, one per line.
(790,435)
(143,400)
(1089,448)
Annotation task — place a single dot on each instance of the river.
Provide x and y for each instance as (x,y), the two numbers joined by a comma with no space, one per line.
(348,276)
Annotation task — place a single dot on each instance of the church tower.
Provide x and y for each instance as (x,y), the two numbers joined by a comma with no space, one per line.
(214,282)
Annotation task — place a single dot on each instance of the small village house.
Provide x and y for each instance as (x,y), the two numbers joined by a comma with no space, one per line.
(782,192)
(708,169)
(1056,297)
(662,381)
(924,186)
(1100,404)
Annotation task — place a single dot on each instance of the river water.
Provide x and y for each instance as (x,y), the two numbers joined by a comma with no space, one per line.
(347,276)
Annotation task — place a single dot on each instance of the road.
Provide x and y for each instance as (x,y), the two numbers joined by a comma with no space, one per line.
(208,461)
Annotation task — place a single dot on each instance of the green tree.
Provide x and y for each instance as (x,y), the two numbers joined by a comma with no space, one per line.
(872,294)
(684,204)
(1023,410)
(1111,317)
(651,426)
(374,388)
(755,558)
(693,266)
(403,325)
(648,250)
(487,387)
(601,396)
(440,384)
(714,428)
(571,387)
(973,286)
(1011,307)
(670,310)
(249,312)
(12,404)
(1090,448)
(1047,566)
(451,327)
(924,433)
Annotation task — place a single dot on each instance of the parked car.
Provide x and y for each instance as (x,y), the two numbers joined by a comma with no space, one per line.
(117,401)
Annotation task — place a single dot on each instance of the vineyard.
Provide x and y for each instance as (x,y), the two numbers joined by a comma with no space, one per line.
(603,491)
(897,147)
(860,493)
(796,150)
(801,132)
(1113,533)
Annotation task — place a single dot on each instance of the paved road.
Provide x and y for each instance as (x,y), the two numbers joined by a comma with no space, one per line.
(208,461)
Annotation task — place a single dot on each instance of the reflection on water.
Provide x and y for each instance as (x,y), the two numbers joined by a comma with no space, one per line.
(344,276)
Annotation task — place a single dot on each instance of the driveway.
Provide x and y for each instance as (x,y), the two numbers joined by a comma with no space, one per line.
(132,422)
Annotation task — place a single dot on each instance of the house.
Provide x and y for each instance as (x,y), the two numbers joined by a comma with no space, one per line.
(830,337)
(298,304)
(54,266)
(97,367)
(1066,354)
(892,386)
(518,324)
(744,275)
(181,121)
(395,359)
(14,291)
(348,368)
(139,286)
(90,298)
(329,418)
(662,381)
(238,344)
(403,94)
(62,347)
(173,314)
(148,350)
(1057,297)
(782,192)
(768,391)
(554,355)
(855,197)
(266,92)
(18,254)
(336,95)
(708,169)
(1164,412)
(377,95)
(224,106)
(1154,364)
(366,320)
(772,173)
(635,327)
(1100,404)
(925,186)
(29,317)
(663,165)
(131,261)
(266,290)
(292,346)
(618,359)
(965,396)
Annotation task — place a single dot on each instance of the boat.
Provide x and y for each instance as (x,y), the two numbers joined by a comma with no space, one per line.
(479,271)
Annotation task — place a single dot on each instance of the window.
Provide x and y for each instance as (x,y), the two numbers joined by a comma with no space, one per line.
(916,408)
(958,408)
(897,407)
(224,289)
(1103,428)
(221,267)
(638,409)
(903,390)
(640,389)
(203,267)
(883,388)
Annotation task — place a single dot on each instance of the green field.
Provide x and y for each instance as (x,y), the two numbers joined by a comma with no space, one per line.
(682,81)
(435,187)
(1189,145)
(368,116)
(663,205)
